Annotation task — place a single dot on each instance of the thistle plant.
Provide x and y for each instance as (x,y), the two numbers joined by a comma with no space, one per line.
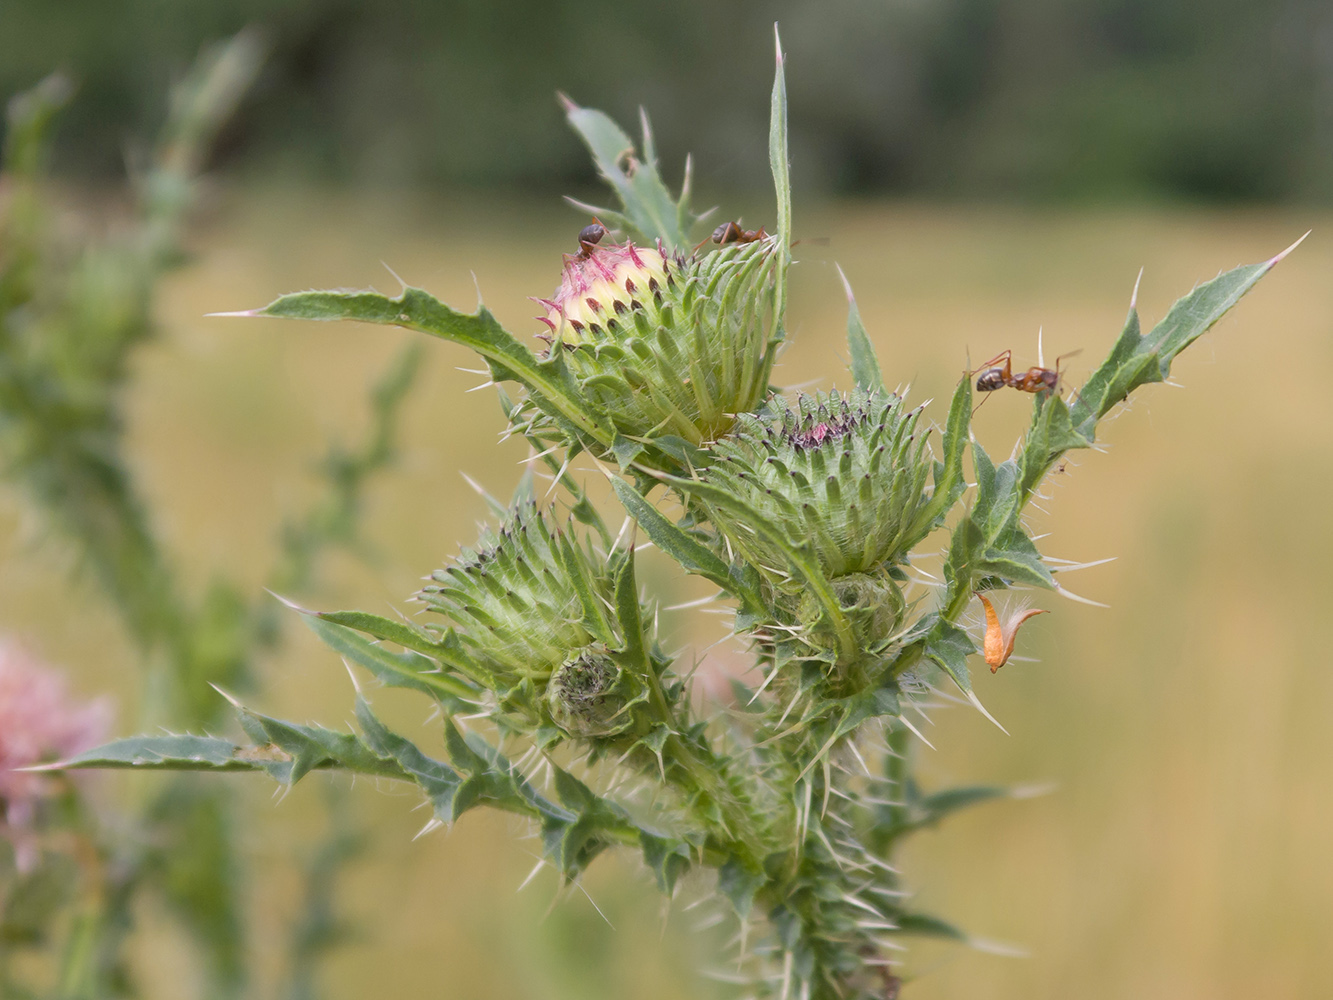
(809,514)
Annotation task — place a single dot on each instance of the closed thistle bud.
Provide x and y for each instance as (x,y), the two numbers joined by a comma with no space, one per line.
(666,343)
(591,696)
(845,474)
(519,606)
(515,608)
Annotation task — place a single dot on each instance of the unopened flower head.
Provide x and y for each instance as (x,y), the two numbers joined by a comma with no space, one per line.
(532,608)
(666,343)
(845,473)
(38,723)
(511,598)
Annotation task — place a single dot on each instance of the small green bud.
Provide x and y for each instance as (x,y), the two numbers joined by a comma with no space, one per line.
(873,602)
(587,696)
(666,343)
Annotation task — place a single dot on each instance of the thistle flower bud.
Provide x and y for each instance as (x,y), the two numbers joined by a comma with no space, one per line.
(516,609)
(531,607)
(844,473)
(590,696)
(666,343)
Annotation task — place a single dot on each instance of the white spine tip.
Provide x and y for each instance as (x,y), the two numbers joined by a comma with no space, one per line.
(1134,297)
(239,314)
(356,685)
(235,702)
(1282,256)
(846,285)
(290,603)
(976,703)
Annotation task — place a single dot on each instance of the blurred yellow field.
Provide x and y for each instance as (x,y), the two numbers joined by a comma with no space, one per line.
(1182,851)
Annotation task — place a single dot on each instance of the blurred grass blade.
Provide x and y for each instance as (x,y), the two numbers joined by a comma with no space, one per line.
(780,163)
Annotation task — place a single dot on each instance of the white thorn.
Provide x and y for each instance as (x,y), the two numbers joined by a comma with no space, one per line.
(1279,258)
(402,285)
(435,822)
(976,703)
(1134,297)
(1081,600)
(235,703)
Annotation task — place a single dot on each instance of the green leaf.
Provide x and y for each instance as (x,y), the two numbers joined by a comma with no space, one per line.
(549,381)
(739,883)
(630,616)
(403,633)
(305,748)
(439,781)
(949,646)
(932,809)
(407,669)
(692,555)
(167,753)
(668,858)
(864,366)
(648,205)
(578,575)
(1137,358)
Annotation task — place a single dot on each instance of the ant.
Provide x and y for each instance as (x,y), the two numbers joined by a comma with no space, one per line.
(589,236)
(732,232)
(995,375)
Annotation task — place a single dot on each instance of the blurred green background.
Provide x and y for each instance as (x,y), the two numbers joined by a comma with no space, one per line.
(1037,99)
(980,169)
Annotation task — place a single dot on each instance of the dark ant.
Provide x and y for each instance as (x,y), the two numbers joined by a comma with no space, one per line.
(589,236)
(1036,379)
(732,232)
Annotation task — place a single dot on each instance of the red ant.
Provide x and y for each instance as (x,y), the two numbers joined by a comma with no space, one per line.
(1036,379)
(732,232)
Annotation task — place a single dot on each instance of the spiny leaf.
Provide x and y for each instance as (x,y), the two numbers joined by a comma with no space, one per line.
(167,753)
(1137,358)
(928,926)
(931,809)
(949,482)
(950,646)
(668,858)
(414,309)
(407,669)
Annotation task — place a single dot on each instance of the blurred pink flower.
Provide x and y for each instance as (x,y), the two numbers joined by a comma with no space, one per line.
(38,723)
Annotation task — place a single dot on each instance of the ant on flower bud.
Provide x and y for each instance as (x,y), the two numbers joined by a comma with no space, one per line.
(733,232)
(589,236)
